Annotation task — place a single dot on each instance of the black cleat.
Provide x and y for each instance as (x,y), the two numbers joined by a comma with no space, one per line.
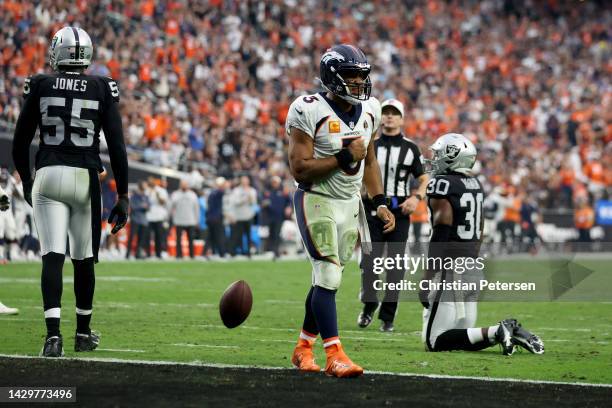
(527,340)
(54,347)
(364,320)
(386,327)
(503,336)
(86,342)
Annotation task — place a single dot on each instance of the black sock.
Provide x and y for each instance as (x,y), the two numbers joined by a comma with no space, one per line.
(51,286)
(310,324)
(324,309)
(84,286)
(457,339)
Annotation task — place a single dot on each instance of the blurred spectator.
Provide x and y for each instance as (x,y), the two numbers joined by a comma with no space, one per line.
(157,215)
(214,218)
(584,219)
(529,219)
(185,211)
(139,225)
(275,207)
(202,227)
(243,200)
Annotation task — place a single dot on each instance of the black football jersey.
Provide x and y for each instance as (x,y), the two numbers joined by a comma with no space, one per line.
(71,112)
(466,197)
(70,109)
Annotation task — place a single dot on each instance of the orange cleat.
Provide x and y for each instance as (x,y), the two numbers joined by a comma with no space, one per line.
(339,365)
(303,357)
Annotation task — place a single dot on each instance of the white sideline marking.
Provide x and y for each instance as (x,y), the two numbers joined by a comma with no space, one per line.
(122,350)
(219,365)
(203,345)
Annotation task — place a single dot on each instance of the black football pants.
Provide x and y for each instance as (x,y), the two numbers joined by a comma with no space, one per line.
(395,242)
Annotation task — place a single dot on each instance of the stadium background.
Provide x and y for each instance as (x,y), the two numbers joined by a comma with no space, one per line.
(206,87)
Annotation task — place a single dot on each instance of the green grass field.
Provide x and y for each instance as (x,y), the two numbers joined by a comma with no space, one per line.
(168,311)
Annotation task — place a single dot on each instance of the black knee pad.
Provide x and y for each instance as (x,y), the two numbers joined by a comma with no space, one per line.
(51,279)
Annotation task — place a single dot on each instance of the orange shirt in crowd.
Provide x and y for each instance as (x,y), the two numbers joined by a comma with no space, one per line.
(584,218)
(144,72)
(420,214)
(567,177)
(594,171)
(513,212)
(156,126)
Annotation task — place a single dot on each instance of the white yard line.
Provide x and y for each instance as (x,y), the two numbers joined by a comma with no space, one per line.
(203,345)
(122,350)
(214,365)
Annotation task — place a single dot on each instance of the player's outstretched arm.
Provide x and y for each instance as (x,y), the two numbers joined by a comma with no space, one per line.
(304,167)
(372,179)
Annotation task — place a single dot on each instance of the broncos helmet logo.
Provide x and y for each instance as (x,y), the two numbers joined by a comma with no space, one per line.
(332,55)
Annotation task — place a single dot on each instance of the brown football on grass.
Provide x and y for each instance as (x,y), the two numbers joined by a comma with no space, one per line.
(235,304)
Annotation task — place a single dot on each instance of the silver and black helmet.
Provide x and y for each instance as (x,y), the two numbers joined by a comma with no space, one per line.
(70,47)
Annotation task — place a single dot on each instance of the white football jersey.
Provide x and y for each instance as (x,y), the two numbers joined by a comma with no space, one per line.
(332,130)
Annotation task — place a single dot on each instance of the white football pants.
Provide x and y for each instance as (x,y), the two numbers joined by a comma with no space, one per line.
(62,208)
(448,310)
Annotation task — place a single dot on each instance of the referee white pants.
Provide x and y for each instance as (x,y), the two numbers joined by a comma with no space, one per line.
(62,208)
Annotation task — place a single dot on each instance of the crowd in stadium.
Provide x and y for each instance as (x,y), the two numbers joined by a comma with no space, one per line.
(205,86)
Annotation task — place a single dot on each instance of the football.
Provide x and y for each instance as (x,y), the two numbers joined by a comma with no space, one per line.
(235,304)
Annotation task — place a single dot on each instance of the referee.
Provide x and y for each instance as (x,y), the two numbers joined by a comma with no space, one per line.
(398,158)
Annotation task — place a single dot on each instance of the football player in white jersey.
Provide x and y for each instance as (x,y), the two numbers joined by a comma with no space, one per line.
(330,155)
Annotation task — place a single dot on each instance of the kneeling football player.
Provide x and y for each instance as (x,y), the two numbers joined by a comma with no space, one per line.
(330,153)
(455,200)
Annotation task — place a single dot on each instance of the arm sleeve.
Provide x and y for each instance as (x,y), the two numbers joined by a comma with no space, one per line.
(25,131)
(300,117)
(113,130)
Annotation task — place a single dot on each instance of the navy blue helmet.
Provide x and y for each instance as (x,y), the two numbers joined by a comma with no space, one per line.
(346,61)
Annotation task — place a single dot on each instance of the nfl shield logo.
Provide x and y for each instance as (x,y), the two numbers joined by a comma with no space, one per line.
(351,124)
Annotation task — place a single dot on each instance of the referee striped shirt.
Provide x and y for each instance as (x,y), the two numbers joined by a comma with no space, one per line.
(398,158)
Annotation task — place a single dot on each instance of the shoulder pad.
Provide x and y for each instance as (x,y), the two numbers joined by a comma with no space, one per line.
(302,114)
(31,83)
(111,88)
(440,186)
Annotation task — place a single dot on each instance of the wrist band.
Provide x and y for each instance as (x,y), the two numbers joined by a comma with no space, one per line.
(379,200)
(344,158)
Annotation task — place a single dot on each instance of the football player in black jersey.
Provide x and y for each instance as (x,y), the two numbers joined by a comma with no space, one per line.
(455,199)
(70,108)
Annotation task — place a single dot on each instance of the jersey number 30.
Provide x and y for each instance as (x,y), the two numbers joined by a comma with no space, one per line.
(75,121)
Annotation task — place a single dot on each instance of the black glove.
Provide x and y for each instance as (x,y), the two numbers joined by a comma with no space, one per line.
(120,212)
(4,203)
(27,191)
(423,298)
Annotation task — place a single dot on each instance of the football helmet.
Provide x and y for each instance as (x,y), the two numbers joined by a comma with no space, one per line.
(341,62)
(70,47)
(452,152)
